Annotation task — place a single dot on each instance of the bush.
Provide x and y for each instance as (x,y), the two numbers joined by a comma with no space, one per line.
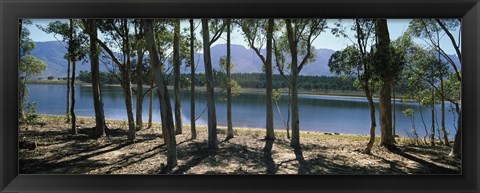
(30,108)
(51,78)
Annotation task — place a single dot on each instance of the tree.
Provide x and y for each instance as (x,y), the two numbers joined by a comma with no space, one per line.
(29,66)
(300,35)
(118,29)
(431,30)
(388,63)
(139,47)
(217,28)
(168,130)
(229,88)
(355,62)
(256,33)
(192,77)
(100,125)
(76,52)
(176,72)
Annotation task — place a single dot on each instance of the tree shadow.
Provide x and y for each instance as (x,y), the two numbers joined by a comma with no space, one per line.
(426,166)
(196,151)
(267,157)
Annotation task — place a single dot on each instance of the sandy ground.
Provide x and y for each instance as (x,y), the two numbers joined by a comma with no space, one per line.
(59,152)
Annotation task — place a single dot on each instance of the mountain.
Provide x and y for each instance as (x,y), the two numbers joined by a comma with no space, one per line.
(244,59)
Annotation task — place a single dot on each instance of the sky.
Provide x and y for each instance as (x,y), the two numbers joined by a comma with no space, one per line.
(326,40)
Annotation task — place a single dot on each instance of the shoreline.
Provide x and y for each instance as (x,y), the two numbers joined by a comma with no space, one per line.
(255,129)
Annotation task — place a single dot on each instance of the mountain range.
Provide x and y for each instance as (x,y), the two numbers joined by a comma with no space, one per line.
(245,60)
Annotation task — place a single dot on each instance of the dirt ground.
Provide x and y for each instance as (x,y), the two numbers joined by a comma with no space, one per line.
(59,152)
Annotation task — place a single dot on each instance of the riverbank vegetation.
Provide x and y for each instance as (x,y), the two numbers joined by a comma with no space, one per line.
(149,53)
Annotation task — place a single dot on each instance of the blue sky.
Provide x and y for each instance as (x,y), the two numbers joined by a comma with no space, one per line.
(325,40)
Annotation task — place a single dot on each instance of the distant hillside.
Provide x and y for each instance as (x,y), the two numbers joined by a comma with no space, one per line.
(245,60)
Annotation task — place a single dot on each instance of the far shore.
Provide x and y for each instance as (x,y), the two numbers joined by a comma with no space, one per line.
(284,91)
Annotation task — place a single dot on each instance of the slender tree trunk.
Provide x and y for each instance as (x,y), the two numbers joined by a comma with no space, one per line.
(139,107)
(176,71)
(229,88)
(372,119)
(168,130)
(192,86)
(269,76)
(289,107)
(67,114)
(127,88)
(424,125)
(444,129)
(432,135)
(150,106)
(95,69)
(212,120)
(72,83)
(295,142)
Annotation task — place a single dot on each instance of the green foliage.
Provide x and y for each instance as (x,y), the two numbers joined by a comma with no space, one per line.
(276,95)
(30,66)
(30,109)
(408,112)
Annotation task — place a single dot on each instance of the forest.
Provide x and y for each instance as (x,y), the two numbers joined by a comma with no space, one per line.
(145,57)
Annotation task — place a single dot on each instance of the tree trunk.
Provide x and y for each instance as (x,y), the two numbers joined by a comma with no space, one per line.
(212,120)
(95,69)
(127,87)
(168,130)
(150,106)
(385,104)
(386,115)
(268,76)
(229,88)
(432,135)
(72,83)
(192,86)
(295,142)
(67,114)
(444,129)
(176,71)
(372,119)
(289,107)
(22,88)
(139,107)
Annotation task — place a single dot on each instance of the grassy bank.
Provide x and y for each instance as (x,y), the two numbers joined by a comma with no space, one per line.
(60,152)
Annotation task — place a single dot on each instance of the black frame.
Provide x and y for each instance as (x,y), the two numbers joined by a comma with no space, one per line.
(11,11)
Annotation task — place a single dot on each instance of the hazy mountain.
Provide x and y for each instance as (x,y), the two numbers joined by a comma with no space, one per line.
(245,60)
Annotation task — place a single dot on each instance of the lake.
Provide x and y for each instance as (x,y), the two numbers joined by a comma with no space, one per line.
(317,113)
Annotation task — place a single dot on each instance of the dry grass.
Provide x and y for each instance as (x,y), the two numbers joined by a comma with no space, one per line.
(62,153)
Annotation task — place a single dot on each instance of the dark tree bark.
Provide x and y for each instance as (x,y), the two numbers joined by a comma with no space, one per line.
(432,136)
(139,106)
(385,104)
(212,120)
(229,89)
(176,72)
(269,85)
(71,53)
(192,75)
(68,91)
(168,130)
(127,84)
(444,129)
(95,69)
(150,106)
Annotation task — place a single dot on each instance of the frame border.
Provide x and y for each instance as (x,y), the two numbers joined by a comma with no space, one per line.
(11,11)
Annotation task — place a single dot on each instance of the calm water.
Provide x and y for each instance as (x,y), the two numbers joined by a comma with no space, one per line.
(317,113)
